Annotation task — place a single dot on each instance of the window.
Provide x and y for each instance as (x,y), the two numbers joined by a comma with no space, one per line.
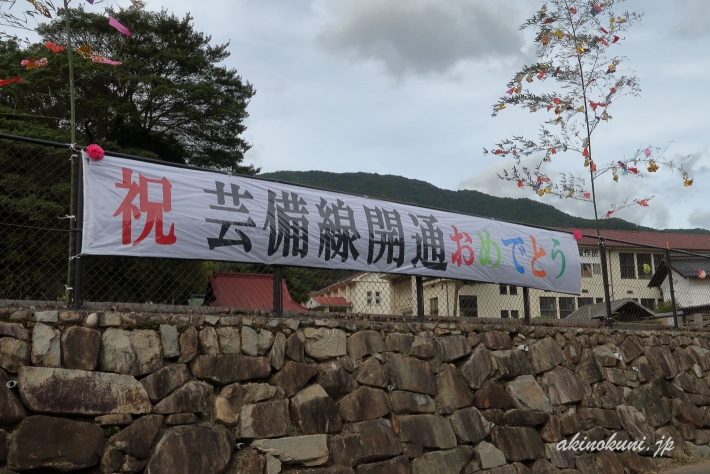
(513,290)
(434,306)
(548,306)
(592,253)
(504,314)
(627,266)
(377,298)
(597,268)
(641,260)
(515,314)
(584,302)
(566,307)
(648,303)
(586,270)
(503,289)
(369,298)
(469,306)
(600,300)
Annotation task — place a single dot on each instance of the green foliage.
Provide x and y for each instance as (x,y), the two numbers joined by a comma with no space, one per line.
(111,430)
(169,97)
(666,307)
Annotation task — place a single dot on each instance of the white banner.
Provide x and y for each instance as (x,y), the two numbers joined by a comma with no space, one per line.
(139,209)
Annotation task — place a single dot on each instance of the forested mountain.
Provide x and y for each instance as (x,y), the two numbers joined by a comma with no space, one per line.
(413,191)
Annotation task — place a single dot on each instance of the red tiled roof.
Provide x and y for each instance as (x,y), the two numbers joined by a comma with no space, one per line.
(338,283)
(331,301)
(247,291)
(687,242)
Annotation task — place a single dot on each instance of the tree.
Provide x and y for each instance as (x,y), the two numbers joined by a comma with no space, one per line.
(168,97)
(573,40)
(168,100)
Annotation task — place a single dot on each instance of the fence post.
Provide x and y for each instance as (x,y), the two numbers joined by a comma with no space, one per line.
(77,229)
(420,296)
(670,282)
(605,278)
(278,297)
(526,305)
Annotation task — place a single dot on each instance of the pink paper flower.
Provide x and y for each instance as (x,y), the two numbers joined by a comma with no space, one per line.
(95,152)
(701,274)
(577,235)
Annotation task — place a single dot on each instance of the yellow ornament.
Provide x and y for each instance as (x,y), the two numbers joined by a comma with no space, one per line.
(688,182)
(580,108)
(529,78)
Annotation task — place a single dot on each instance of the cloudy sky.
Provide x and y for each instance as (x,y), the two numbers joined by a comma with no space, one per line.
(405,87)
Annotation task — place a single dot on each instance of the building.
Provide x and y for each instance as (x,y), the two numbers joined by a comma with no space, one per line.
(690,285)
(631,266)
(247,291)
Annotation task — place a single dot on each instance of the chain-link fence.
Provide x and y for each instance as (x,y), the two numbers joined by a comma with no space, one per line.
(625,275)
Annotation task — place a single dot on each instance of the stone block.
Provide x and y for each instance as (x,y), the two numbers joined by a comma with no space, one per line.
(452,390)
(293,376)
(429,431)
(373,373)
(518,443)
(398,465)
(309,450)
(192,397)
(169,340)
(452,348)
(188,345)
(191,448)
(469,425)
(80,348)
(367,441)
(477,368)
(396,342)
(109,320)
(492,395)
(364,343)
(436,462)
(496,340)
(325,343)
(406,403)
(226,369)
(229,340)
(414,375)
(314,412)
(46,346)
(512,363)
(15,330)
(264,420)
(50,390)
(365,403)
(564,387)
(11,408)
(162,382)
(545,355)
(488,456)
(296,346)
(47,316)
(137,439)
(334,379)
(278,352)
(135,352)
(13,354)
(118,419)
(527,394)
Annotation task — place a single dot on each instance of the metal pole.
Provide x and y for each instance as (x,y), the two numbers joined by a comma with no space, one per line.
(420,296)
(605,277)
(278,297)
(670,282)
(77,232)
(526,305)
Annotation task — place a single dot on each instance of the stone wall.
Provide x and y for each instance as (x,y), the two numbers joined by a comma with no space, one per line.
(130,392)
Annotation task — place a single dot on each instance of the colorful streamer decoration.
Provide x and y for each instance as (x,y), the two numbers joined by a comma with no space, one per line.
(113,22)
(55,48)
(642,202)
(4,82)
(84,51)
(33,63)
(97,58)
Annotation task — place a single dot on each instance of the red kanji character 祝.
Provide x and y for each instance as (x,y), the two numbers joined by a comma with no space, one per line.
(154,210)
(457,256)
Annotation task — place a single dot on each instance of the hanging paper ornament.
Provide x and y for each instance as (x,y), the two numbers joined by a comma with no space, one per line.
(500,107)
(520,184)
(113,22)
(580,49)
(603,41)
(646,268)
(541,179)
(95,152)
(603,30)
(39,6)
(615,177)
(553,151)
(612,69)
(564,147)
(597,8)
(516,90)
(585,152)
(616,38)
(84,51)
(701,274)
(580,108)
(558,34)
(33,63)
(652,166)
(587,195)
(634,170)
(647,152)
(577,235)
(546,40)
(520,79)
(594,167)
(4,82)
(549,107)
(558,110)
(587,162)
(510,91)
(55,48)
(547,159)
(529,78)
(642,202)
(573,10)
(608,214)
(542,74)
(688,183)
(557,101)
(137,5)
(606,116)
(97,58)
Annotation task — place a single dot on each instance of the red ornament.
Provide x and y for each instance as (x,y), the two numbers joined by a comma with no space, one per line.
(577,235)
(520,184)
(95,152)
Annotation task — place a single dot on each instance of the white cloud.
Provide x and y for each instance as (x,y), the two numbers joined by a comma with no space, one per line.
(424,36)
